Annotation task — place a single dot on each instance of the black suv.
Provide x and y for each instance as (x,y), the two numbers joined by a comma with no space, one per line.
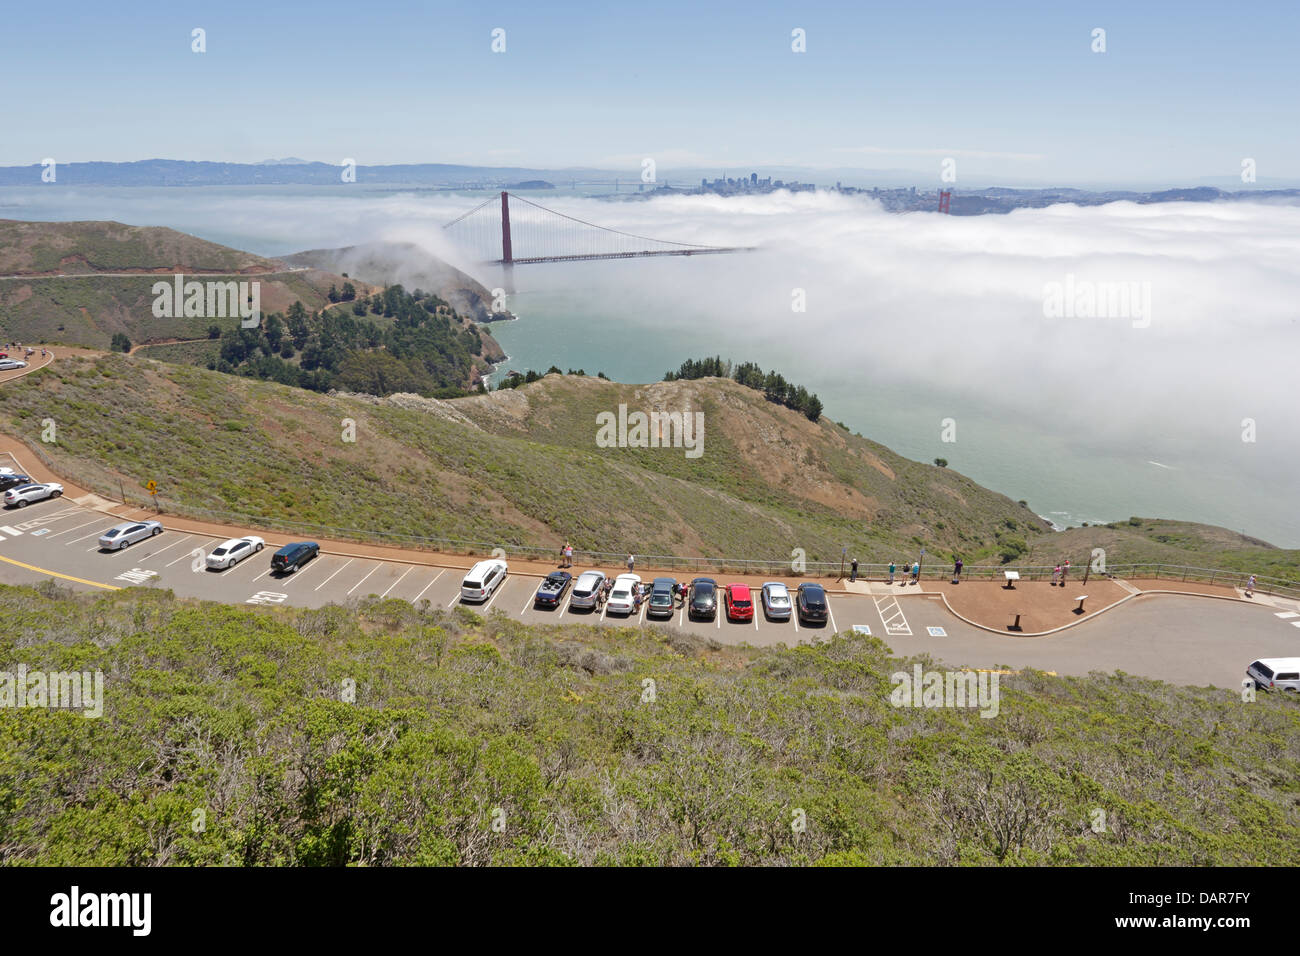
(811,603)
(13,481)
(703,599)
(293,556)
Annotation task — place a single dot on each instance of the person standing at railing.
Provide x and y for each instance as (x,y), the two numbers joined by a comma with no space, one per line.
(892,568)
(1250,587)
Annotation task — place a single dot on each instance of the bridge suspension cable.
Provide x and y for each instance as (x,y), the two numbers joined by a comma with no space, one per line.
(525,232)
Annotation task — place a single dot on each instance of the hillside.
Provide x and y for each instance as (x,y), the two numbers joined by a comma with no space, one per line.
(518,466)
(406,264)
(71,288)
(377,734)
(82,248)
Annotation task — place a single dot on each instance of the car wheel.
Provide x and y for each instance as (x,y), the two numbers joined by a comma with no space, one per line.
(55,494)
(258,548)
(125,542)
(155,531)
(22,502)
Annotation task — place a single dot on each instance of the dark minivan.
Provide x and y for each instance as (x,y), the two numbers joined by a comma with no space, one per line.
(293,556)
(811,603)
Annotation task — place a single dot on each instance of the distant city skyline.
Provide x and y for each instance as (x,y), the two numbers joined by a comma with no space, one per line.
(1181,94)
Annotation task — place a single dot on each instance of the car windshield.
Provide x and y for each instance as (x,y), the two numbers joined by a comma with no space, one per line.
(779,599)
(113,532)
(218,552)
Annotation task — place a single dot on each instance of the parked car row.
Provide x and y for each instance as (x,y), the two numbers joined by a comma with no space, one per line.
(624,593)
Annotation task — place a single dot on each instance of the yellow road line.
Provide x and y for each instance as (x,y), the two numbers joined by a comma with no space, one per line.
(56,574)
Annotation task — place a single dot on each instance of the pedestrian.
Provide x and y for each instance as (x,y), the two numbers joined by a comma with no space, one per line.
(1065,570)
(916,572)
(1250,587)
(568,555)
(853,575)
(892,568)
(1056,574)
(956,571)
(631,563)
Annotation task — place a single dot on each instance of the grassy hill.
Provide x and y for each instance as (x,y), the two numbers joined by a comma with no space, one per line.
(517,466)
(454,720)
(83,248)
(69,290)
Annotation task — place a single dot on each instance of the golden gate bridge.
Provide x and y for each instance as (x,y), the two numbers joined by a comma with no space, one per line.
(522,232)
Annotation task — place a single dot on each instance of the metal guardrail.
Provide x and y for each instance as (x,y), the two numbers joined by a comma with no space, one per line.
(778,568)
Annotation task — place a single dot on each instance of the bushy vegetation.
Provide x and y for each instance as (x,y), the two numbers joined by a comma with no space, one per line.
(772,384)
(379,734)
(414,344)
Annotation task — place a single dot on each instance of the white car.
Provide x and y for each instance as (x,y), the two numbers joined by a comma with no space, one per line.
(1276,673)
(482,579)
(230,553)
(128,532)
(622,597)
(776,601)
(24,495)
(10,364)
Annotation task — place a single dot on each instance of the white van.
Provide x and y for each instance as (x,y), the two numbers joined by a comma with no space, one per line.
(1276,673)
(482,579)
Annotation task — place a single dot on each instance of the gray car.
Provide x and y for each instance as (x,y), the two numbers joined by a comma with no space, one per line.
(586,588)
(776,601)
(127,533)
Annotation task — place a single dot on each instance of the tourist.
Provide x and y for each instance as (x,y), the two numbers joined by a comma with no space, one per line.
(892,568)
(956,571)
(1250,587)
(631,563)
(1056,575)
(916,572)
(853,574)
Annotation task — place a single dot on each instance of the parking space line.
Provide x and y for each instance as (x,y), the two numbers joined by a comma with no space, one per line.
(499,588)
(395,583)
(427,586)
(891,616)
(336,571)
(566,604)
(93,534)
(831,614)
(94,520)
(640,622)
(262,575)
(532,596)
(184,556)
(170,546)
(363,580)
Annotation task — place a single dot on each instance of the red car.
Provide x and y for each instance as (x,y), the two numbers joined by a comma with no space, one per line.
(739,602)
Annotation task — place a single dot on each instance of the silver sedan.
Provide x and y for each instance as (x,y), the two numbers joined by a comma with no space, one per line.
(128,532)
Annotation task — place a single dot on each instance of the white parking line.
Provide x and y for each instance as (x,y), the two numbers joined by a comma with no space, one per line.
(834,629)
(262,575)
(170,546)
(12,532)
(532,595)
(427,586)
(488,606)
(336,571)
(183,557)
(363,580)
(395,583)
(82,525)
(640,622)
(891,615)
(566,604)
(93,534)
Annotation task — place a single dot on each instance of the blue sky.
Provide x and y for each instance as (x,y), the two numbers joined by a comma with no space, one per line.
(1012,91)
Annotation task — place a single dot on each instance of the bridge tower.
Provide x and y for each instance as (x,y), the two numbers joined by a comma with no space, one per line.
(945,201)
(507,254)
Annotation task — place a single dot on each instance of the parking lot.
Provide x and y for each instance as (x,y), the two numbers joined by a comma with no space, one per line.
(1181,640)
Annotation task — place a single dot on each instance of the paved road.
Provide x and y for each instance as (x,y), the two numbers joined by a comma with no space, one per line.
(1182,640)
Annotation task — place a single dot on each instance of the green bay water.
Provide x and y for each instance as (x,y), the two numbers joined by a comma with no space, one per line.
(1066,477)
